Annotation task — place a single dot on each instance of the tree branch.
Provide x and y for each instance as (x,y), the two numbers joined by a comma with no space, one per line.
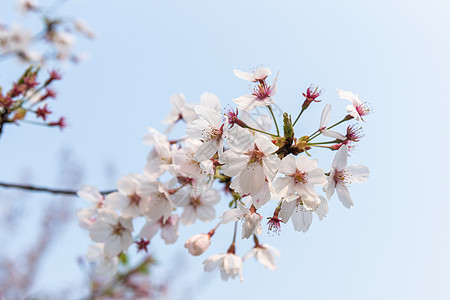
(32,188)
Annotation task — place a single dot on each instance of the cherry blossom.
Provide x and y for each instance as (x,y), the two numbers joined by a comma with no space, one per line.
(106,265)
(160,204)
(196,203)
(262,93)
(87,216)
(250,160)
(187,165)
(259,171)
(160,158)
(129,198)
(230,265)
(265,254)
(113,231)
(257,75)
(324,119)
(180,110)
(208,128)
(341,175)
(252,220)
(169,229)
(357,109)
(302,174)
(293,209)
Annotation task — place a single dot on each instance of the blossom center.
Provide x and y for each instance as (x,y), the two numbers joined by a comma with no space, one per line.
(300,177)
(256,156)
(134,199)
(118,229)
(261,91)
(342,176)
(196,201)
(363,109)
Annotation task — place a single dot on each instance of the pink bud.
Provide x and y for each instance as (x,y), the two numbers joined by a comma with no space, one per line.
(197,244)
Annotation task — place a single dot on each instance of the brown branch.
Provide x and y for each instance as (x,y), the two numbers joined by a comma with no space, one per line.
(32,188)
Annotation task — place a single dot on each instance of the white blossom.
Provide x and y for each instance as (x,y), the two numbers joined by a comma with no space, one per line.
(230,265)
(209,129)
(113,231)
(341,175)
(180,110)
(197,202)
(129,200)
(265,254)
(302,174)
(357,109)
(87,216)
(250,160)
(324,119)
(169,229)
(294,210)
(160,158)
(160,204)
(252,220)
(190,167)
(258,74)
(106,265)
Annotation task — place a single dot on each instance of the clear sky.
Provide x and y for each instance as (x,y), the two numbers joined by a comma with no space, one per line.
(393,244)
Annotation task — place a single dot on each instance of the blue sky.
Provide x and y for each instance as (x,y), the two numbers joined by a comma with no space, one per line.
(393,244)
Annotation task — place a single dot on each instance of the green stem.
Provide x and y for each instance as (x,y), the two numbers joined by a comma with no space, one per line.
(274,120)
(320,146)
(343,120)
(298,117)
(34,122)
(330,142)
(320,132)
(251,128)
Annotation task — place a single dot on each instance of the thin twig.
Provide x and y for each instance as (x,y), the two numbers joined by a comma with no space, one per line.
(33,188)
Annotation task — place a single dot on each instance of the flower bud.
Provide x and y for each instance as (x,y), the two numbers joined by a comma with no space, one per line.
(197,244)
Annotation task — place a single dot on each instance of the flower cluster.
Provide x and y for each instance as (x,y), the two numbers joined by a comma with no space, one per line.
(232,150)
(55,40)
(29,97)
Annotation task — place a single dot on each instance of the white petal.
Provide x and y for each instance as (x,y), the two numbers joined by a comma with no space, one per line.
(322,210)
(206,213)
(302,219)
(126,185)
(359,173)
(213,262)
(261,73)
(210,100)
(288,165)
(340,160)
(287,208)
(248,102)
(231,215)
(330,187)
(150,229)
(344,195)
(206,150)
(266,258)
(117,200)
(325,118)
(99,231)
(334,135)
(347,96)
(351,110)
(252,178)
(170,233)
(188,216)
(244,75)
